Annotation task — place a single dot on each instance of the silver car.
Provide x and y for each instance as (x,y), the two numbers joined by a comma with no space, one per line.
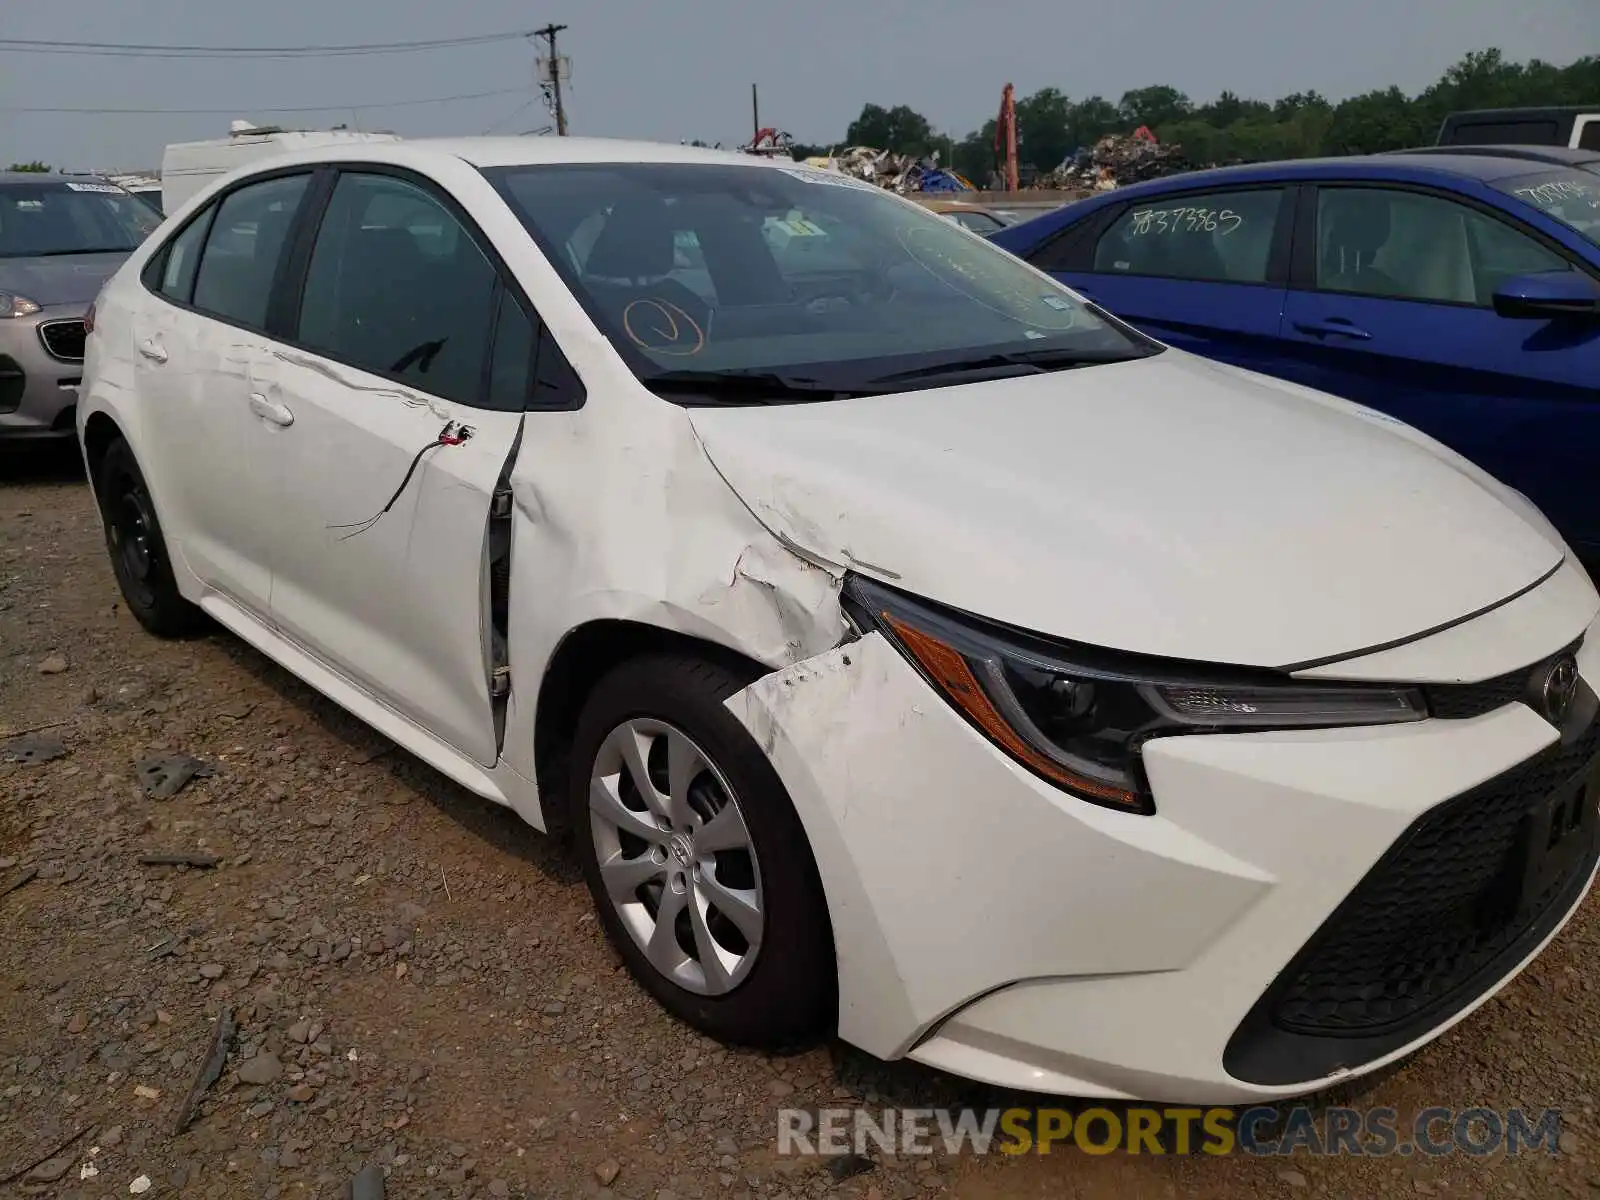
(60,239)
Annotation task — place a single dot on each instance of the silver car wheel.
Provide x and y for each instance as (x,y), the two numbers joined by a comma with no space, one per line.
(675,856)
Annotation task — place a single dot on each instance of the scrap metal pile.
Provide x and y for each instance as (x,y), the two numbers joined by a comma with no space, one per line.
(897,172)
(1116,160)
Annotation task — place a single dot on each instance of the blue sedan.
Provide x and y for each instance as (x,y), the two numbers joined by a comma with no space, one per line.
(1459,292)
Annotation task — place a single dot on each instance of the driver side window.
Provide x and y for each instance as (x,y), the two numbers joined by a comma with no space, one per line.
(1404,245)
(396,287)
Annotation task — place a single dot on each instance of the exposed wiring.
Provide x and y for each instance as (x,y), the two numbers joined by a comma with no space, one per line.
(453,434)
(148,50)
(269,108)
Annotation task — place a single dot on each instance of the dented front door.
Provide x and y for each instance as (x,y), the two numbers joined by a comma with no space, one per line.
(382,576)
(401,393)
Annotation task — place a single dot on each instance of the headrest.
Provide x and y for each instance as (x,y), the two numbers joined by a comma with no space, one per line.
(635,242)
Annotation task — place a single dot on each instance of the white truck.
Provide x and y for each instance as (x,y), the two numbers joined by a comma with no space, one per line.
(187,167)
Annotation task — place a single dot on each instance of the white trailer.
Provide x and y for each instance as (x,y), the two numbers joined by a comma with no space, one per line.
(188,167)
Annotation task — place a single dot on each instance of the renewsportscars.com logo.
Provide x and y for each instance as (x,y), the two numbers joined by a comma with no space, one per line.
(1261,1130)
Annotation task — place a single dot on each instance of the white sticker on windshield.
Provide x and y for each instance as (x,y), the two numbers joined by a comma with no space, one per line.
(1035,334)
(95,187)
(826,178)
(1057,303)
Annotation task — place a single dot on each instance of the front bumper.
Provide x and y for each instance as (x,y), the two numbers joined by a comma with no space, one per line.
(38,385)
(989,924)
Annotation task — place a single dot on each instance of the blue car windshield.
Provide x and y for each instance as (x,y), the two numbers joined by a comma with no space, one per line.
(1570,196)
(694,270)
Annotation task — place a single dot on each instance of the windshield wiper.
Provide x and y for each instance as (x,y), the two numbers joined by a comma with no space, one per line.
(1001,366)
(748,387)
(80,250)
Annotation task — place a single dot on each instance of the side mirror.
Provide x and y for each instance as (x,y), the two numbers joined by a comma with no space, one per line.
(1549,295)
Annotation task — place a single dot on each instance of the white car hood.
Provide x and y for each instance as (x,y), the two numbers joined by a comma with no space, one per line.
(1168,506)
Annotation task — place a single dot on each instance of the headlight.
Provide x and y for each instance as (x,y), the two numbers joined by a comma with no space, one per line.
(13,305)
(1078,716)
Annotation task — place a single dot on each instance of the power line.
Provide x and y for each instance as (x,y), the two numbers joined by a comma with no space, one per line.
(146,50)
(267,108)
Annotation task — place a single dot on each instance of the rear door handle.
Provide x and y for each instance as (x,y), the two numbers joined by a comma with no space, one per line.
(1333,327)
(152,350)
(277,414)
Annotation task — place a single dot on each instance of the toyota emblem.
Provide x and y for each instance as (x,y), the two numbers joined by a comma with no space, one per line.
(1559,688)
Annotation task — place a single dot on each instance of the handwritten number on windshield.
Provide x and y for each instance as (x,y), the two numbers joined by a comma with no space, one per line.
(1549,195)
(1221,221)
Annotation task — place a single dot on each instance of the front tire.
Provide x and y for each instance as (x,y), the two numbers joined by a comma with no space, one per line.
(696,860)
(138,548)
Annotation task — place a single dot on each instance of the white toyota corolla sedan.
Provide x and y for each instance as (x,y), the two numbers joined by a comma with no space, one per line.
(912,650)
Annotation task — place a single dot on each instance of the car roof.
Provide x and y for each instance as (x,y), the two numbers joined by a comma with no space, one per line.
(47,177)
(1434,165)
(531,151)
(1559,156)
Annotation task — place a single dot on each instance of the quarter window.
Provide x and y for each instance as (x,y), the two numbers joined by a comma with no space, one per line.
(1218,237)
(181,258)
(397,287)
(1413,246)
(511,364)
(244,247)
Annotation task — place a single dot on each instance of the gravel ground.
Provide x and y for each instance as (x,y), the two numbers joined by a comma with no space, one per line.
(418,983)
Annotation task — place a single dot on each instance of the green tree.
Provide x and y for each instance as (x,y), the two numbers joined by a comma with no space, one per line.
(1233,128)
(1153,106)
(33,168)
(1228,109)
(1090,120)
(1043,138)
(1377,121)
(901,129)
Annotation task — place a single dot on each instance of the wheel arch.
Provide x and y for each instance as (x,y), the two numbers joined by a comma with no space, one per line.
(100,430)
(584,656)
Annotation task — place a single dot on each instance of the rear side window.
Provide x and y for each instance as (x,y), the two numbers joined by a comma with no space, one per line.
(244,247)
(1589,135)
(1535,132)
(1219,237)
(397,287)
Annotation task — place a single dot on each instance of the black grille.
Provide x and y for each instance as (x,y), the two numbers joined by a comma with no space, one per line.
(1428,929)
(12,384)
(1423,922)
(1458,701)
(64,339)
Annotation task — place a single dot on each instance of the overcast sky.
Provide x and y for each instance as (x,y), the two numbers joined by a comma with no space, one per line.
(642,68)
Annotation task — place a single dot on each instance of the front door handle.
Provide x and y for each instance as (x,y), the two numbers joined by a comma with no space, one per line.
(1333,327)
(152,350)
(277,414)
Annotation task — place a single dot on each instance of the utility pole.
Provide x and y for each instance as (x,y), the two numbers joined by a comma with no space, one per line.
(548,33)
(755,110)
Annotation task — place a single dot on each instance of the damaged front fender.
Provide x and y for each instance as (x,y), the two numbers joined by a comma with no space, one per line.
(643,529)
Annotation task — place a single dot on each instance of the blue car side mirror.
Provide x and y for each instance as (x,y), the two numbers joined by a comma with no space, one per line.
(1549,295)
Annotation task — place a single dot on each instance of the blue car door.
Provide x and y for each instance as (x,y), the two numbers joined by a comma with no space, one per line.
(1391,305)
(1203,271)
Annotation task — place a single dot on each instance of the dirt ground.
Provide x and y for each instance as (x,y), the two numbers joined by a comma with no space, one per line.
(418,982)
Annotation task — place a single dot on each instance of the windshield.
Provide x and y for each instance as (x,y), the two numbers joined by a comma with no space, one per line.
(56,217)
(1570,196)
(700,271)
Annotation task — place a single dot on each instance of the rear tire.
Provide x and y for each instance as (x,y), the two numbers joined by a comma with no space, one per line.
(138,548)
(708,841)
